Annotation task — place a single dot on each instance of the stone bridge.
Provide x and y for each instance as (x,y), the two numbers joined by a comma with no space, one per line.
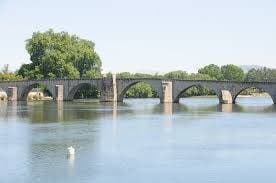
(113,90)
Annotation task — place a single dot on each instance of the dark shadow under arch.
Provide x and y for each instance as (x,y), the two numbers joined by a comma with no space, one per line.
(122,95)
(199,87)
(27,90)
(251,87)
(75,92)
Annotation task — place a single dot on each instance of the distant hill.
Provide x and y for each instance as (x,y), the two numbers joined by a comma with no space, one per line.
(246,68)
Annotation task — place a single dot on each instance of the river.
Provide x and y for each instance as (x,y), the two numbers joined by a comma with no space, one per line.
(138,141)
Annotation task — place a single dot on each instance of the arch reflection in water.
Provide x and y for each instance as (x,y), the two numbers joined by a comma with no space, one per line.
(254,108)
(43,112)
(13,109)
(246,108)
(3,109)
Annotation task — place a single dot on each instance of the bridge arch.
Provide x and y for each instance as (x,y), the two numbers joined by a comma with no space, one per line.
(79,86)
(235,96)
(183,90)
(26,90)
(155,84)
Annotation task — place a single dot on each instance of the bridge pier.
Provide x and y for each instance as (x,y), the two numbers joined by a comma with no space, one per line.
(167,96)
(12,93)
(109,90)
(59,93)
(226,97)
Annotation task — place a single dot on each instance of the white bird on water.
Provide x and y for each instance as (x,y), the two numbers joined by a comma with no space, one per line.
(71,150)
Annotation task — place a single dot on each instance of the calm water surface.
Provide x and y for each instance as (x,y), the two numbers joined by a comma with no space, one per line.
(139,141)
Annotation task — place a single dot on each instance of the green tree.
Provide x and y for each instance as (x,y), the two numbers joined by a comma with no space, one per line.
(232,72)
(7,75)
(199,76)
(92,74)
(139,90)
(87,91)
(177,75)
(262,74)
(59,55)
(124,75)
(212,70)
(199,90)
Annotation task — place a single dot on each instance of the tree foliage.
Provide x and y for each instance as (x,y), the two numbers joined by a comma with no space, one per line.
(212,70)
(139,90)
(7,75)
(87,91)
(60,55)
(177,75)
(232,73)
(262,74)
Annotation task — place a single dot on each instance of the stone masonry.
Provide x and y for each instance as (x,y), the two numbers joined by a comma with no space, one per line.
(113,89)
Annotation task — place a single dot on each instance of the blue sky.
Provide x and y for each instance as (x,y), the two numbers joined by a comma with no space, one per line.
(148,35)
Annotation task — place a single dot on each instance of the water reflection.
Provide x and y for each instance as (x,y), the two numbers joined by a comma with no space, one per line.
(225,108)
(45,112)
(9,109)
(13,109)
(114,117)
(253,108)
(3,108)
(71,161)
(111,139)
(114,111)
(271,108)
(60,112)
(168,109)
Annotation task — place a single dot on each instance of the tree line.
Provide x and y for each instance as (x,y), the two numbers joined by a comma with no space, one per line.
(61,55)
